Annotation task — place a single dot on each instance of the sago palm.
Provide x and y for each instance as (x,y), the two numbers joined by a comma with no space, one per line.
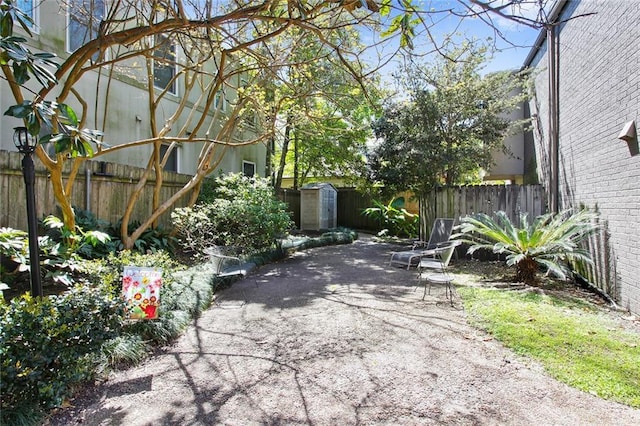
(550,241)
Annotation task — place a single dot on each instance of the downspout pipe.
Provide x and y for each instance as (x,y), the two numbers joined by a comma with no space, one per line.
(550,34)
(554,100)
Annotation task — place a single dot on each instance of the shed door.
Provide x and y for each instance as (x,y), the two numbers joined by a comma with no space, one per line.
(330,207)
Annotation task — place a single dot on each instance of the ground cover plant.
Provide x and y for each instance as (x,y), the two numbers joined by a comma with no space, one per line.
(570,337)
(62,251)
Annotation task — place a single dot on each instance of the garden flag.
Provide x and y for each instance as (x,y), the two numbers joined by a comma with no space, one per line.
(141,290)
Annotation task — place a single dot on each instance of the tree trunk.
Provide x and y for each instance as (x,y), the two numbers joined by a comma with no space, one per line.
(296,152)
(526,271)
(283,156)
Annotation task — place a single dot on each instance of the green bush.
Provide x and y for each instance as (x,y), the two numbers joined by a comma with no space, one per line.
(184,293)
(393,218)
(240,213)
(60,253)
(49,344)
(12,256)
(152,240)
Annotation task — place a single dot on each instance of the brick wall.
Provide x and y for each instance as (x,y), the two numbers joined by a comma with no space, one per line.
(599,91)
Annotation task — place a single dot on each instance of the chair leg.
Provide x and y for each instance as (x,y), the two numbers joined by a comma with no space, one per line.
(449,290)
(427,283)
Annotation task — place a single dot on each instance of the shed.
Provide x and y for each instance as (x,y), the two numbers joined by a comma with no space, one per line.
(318,206)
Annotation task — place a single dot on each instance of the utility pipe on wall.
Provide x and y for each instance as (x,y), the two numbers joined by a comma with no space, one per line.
(554,100)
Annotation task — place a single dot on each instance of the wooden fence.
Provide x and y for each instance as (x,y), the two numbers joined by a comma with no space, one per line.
(454,202)
(292,198)
(102,188)
(460,201)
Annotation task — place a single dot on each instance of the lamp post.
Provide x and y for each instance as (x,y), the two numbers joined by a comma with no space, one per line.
(26,144)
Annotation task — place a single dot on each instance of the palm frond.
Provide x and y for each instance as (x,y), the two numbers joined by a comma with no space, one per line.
(550,240)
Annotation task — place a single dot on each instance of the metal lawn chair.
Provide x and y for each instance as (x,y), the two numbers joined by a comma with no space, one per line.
(440,234)
(438,261)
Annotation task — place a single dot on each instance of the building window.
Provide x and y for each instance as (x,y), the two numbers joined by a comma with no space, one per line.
(248,168)
(84,21)
(164,65)
(31,10)
(172,162)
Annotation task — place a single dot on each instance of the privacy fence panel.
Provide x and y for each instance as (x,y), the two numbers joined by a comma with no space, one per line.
(455,202)
(102,188)
(351,203)
(460,201)
(292,198)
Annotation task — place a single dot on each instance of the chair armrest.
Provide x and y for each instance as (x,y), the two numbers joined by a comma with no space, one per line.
(222,262)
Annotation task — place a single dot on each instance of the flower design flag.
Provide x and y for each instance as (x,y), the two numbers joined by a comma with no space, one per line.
(141,290)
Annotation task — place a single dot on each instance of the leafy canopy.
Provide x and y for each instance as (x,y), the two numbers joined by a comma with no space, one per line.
(446,130)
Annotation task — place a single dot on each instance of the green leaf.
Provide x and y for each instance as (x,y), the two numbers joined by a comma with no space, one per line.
(393,27)
(61,142)
(21,110)
(95,237)
(385,7)
(53,222)
(67,115)
(42,74)
(87,149)
(6,25)
(21,72)
(33,124)
(24,20)
(15,51)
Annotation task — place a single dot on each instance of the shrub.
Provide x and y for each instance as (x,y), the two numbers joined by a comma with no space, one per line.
(549,241)
(242,213)
(152,240)
(49,344)
(393,218)
(60,252)
(12,255)
(86,243)
(195,228)
(178,299)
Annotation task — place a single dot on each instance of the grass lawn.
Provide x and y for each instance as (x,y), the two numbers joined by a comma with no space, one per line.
(576,341)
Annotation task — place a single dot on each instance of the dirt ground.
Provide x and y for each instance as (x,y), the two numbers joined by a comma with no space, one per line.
(333,336)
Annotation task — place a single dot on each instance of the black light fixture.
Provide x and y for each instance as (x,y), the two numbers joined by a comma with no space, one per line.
(26,144)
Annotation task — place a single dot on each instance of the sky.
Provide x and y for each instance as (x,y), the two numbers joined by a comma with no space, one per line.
(510,54)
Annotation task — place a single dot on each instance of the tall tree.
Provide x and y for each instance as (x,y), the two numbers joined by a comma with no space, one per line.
(446,130)
(217,43)
(319,106)
(204,47)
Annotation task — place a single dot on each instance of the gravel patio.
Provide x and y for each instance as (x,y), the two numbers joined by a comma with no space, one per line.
(333,336)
